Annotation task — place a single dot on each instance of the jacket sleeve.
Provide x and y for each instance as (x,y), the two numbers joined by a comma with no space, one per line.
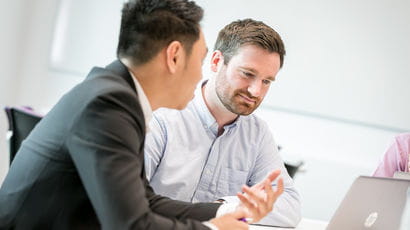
(106,146)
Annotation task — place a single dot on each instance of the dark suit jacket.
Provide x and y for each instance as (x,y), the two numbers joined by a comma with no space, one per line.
(82,166)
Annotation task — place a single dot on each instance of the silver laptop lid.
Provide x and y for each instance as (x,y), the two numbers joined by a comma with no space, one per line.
(405,220)
(372,203)
(402,175)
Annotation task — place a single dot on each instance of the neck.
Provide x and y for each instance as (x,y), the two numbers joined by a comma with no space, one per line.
(146,76)
(222,115)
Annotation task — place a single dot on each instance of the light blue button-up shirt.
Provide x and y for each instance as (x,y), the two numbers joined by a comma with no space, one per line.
(186,160)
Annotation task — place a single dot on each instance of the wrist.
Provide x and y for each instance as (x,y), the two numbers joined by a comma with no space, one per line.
(222,201)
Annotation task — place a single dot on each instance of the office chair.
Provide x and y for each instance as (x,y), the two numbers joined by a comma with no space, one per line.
(21,121)
(292,168)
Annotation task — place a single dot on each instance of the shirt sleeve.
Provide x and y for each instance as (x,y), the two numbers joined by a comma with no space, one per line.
(394,159)
(287,209)
(155,142)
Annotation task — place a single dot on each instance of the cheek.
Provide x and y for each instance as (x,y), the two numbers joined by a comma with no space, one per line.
(196,73)
(193,75)
(240,84)
(235,80)
(199,71)
(265,91)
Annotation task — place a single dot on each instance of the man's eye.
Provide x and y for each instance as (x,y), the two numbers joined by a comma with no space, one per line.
(266,82)
(247,74)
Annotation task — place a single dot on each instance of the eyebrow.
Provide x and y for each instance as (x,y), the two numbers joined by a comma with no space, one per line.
(271,78)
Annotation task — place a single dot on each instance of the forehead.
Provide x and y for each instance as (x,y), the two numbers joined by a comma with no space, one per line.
(255,57)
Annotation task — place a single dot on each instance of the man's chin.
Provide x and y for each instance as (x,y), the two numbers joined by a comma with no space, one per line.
(244,110)
(181,107)
(245,113)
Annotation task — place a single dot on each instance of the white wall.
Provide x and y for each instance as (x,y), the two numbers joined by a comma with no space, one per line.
(334,154)
(345,59)
(339,100)
(13,26)
(26,79)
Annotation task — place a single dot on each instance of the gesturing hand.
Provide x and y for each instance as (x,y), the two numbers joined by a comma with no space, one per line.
(257,201)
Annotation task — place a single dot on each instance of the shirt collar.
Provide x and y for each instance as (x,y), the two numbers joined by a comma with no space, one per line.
(207,119)
(145,105)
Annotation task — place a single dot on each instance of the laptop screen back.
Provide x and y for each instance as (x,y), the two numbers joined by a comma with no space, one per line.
(402,175)
(372,203)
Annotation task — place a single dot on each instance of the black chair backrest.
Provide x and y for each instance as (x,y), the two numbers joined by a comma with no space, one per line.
(292,168)
(21,122)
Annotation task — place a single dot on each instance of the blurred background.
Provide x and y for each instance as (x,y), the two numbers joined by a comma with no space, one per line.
(340,98)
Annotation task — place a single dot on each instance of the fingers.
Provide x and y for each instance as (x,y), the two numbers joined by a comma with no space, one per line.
(246,202)
(259,202)
(271,195)
(258,186)
(270,177)
(273,175)
(255,202)
(230,221)
(254,195)
(280,186)
(237,215)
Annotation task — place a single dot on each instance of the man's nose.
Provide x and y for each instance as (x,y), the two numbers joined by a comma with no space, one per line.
(255,88)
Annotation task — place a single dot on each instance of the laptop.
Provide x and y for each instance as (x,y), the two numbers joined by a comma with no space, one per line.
(374,203)
(402,175)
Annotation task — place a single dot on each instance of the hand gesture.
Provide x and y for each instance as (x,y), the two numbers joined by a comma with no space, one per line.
(257,201)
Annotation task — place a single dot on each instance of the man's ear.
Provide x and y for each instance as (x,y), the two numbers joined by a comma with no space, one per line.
(175,53)
(217,60)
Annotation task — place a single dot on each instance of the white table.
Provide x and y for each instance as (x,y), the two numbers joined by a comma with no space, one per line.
(305,224)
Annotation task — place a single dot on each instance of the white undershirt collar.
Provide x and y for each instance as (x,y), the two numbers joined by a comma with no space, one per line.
(144,102)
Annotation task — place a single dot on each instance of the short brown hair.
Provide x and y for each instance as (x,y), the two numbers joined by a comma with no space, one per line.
(147,26)
(248,32)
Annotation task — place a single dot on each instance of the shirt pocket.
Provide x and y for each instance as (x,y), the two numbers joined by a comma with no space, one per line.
(231,181)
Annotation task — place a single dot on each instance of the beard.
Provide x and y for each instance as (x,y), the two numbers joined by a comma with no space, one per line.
(235,103)
(232,99)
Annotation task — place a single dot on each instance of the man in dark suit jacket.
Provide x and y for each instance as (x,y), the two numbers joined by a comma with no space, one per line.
(82,165)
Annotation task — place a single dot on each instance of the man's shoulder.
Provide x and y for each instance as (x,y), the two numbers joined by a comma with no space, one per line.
(104,80)
(253,121)
(403,137)
(252,129)
(102,83)
(103,88)
(403,141)
(168,115)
